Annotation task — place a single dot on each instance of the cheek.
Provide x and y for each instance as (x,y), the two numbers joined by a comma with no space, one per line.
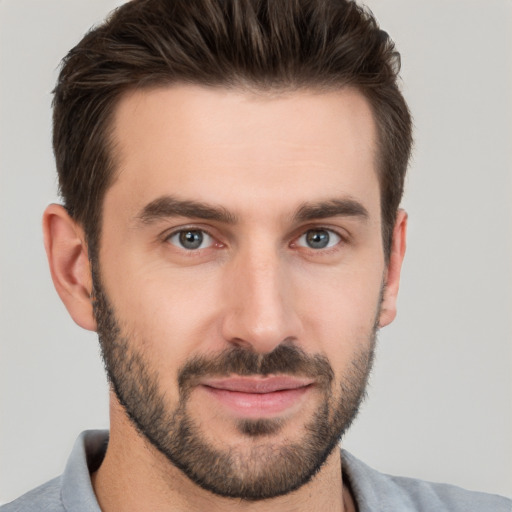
(340,312)
(168,314)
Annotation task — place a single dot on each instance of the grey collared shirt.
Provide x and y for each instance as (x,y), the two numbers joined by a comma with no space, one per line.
(372,491)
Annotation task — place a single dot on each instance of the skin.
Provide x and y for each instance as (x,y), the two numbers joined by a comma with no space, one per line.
(254,284)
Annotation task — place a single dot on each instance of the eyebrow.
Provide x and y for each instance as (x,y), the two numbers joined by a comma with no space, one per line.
(332,208)
(168,206)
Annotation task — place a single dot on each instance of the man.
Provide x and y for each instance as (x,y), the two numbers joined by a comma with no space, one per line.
(231,175)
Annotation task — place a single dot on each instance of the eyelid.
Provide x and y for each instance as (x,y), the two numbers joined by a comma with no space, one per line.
(340,234)
(206,240)
(168,234)
(343,236)
(186,227)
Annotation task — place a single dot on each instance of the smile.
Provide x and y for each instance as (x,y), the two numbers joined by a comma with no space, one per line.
(256,397)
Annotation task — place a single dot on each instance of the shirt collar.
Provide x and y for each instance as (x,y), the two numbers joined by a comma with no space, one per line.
(87,454)
(370,492)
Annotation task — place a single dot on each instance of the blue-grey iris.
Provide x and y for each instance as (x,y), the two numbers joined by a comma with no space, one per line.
(317,238)
(191,239)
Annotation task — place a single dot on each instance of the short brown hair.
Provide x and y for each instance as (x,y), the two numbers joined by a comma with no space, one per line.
(263,44)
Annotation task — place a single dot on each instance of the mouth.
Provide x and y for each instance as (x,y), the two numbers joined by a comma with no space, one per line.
(258,397)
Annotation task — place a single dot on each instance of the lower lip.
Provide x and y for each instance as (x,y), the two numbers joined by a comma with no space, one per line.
(258,405)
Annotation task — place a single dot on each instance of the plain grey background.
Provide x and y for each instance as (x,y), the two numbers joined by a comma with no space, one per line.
(440,399)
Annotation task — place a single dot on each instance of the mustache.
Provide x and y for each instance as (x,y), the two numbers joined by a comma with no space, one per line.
(284,359)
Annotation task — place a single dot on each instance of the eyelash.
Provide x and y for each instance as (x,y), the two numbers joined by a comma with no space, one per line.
(342,239)
(192,229)
(330,246)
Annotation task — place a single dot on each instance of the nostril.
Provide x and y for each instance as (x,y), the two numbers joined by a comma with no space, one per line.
(239,342)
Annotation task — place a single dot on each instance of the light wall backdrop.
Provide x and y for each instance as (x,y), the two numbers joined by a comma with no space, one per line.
(440,398)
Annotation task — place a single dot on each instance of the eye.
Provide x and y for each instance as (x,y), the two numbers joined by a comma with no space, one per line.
(319,239)
(191,239)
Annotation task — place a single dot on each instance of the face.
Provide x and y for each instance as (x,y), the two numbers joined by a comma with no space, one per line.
(240,276)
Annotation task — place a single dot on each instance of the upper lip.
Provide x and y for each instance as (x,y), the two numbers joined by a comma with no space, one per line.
(253,384)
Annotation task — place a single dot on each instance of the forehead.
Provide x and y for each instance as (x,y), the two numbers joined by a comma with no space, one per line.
(218,144)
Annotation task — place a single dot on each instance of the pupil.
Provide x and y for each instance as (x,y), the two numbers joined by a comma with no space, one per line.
(317,239)
(191,239)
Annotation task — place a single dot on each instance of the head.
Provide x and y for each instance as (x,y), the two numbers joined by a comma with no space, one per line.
(252,45)
(231,173)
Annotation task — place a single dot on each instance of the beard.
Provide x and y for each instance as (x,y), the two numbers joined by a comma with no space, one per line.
(263,469)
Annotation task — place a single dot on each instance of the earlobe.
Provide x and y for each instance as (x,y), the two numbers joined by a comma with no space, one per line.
(66,250)
(392,278)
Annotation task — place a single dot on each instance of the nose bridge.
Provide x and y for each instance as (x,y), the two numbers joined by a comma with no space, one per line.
(261,314)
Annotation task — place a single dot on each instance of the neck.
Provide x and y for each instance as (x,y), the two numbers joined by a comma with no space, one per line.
(135,476)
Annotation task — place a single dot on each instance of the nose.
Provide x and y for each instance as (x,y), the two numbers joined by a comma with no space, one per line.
(260,313)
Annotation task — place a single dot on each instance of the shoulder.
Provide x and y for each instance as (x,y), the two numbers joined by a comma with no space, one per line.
(45,498)
(73,489)
(443,497)
(375,491)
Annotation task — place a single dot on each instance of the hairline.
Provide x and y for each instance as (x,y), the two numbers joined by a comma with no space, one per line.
(242,85)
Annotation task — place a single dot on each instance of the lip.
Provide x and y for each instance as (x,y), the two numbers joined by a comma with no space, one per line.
(258,397)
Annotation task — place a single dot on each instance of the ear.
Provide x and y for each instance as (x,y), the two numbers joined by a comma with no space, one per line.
(392,277)
(66,250)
